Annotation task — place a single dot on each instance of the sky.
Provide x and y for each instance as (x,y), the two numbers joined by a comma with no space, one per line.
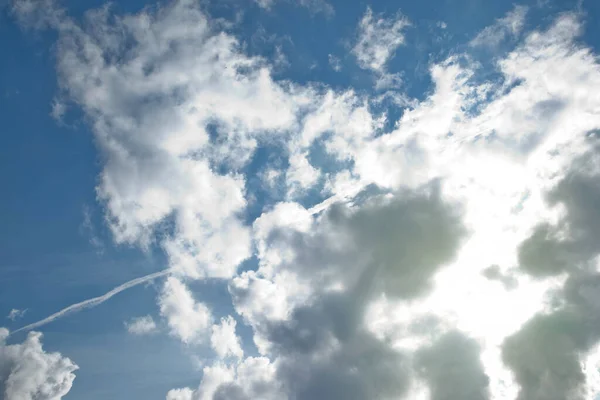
(300,200)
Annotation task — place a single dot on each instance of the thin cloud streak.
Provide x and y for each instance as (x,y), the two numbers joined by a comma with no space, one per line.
(95,301)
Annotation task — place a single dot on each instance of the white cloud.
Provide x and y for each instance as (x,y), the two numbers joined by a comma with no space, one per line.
(378,39)
(161,159)
(498,158)
(188,320)
(224,340)
(16,314)
(141,325)
(27,372)
(180,394)
(314,6)
(509,25)
(335,63)
(253,378)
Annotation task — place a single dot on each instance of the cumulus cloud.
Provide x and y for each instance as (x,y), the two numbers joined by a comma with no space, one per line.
(224,340)
(141,325)
(529,138)
(186,103)
(188,320)
(338,264)
(253,378)
(27,372)
(378,39)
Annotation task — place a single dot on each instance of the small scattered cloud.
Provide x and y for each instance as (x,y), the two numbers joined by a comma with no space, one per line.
(378,39)
(387,81)
(141,326)
(59,108)
(335,63)
(16,314)
(88,228)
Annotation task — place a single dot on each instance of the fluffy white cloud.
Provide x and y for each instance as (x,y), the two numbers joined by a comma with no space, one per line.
(188,320)
(185,103)
(224,340)
(141,326)
(27,372)
(378,39)
(180,394)
(253,378)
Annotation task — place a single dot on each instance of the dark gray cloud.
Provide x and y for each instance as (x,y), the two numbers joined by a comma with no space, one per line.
(571,243)
(545,354)
(452,368)
(401,241)
(327,353)
(494,273)
(390,245)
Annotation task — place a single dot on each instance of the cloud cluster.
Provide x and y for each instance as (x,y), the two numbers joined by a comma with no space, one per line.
(27,372)
(389,287)
(176,113)
(548,352)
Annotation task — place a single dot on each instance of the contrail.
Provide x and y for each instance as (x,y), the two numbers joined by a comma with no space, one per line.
(93,302)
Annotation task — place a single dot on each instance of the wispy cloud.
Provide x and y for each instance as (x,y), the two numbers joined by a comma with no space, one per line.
(93,302)
(335,63)
(15,314)
(314,6)
(509,25)
(378,39)
(87,228)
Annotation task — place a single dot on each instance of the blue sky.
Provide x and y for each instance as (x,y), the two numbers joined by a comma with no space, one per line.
(327,186)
